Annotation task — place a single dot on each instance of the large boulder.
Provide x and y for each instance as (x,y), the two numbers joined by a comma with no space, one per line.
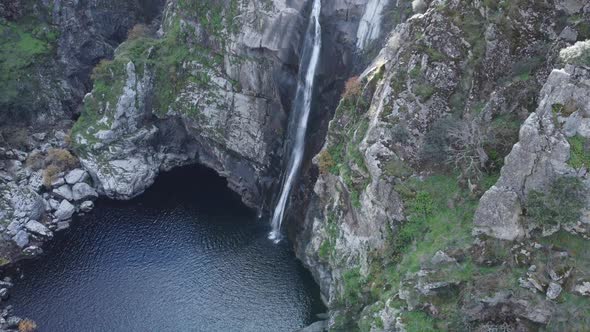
(83,191)
(65,210)
(502,218)
(64,192)
(21,239)
(75,176)
(27,203)
(36,227)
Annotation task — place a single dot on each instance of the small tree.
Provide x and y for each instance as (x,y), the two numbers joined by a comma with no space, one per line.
(466,149)
(560,204)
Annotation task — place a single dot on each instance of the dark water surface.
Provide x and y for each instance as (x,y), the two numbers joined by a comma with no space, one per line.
(185,256)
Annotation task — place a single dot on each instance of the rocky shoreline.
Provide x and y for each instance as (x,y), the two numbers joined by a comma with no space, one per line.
(36,204)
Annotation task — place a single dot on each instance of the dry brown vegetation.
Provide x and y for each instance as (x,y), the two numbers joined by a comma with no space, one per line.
(352,87)
(52,163)
(138,31)
(325,162)
(15,137)
(36,161)
(27,325)
(100,70)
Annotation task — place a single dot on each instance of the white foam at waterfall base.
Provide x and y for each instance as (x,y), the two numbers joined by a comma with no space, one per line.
(302,107)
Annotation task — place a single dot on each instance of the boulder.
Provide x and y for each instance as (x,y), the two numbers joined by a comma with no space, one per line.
(27,203)
(64,192)
(541,155)
(498,215)
(54,204)
(82,191)
(36,181)
(569,34)
(553,290)
(319,326)
(32,251)
(3,293)
(14,227)
(38,228)
(65,210)
(39,136)
(583,288)
(58,181)
(440,258)
(12,321)
(86,206)
(75,176)
(21,239)
(61,225)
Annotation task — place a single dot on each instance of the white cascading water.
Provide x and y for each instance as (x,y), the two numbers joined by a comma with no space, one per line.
(301,109)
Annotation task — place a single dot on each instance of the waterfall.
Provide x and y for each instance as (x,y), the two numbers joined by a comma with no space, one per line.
(300,114)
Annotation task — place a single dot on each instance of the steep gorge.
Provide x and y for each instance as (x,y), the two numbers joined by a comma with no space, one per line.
(388,215)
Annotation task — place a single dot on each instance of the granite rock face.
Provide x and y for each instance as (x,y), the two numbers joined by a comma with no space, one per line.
(540,156)
(75,35)
(229,109)
(409,148)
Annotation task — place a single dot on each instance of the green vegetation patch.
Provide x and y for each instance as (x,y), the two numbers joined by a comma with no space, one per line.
(579,152)
(327,248)
(175,61)
(561,204)
(23,46)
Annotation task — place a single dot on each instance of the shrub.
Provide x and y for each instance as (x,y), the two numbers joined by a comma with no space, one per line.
(352,284)
(437,141)
(57,161)
(397,168)
(325,162)
(27,325)
(422,205)
(424,91)
(35,161)
(418,321)
(577,54)
(138,31)
(61,158)
(49,175)
(15,137)
(503,134)
(101,70)
(579,152)
(561,204)
(400,133)
(352,88)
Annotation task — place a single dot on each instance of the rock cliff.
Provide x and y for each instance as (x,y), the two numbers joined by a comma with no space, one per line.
(449,190)
(395,232)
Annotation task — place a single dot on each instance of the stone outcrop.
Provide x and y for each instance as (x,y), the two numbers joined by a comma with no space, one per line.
(411,145)
(540,156)
(68,39)
(230,106)
(35,201)
(400,218)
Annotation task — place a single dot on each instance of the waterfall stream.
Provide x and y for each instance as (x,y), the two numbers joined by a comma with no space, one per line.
(301,109)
